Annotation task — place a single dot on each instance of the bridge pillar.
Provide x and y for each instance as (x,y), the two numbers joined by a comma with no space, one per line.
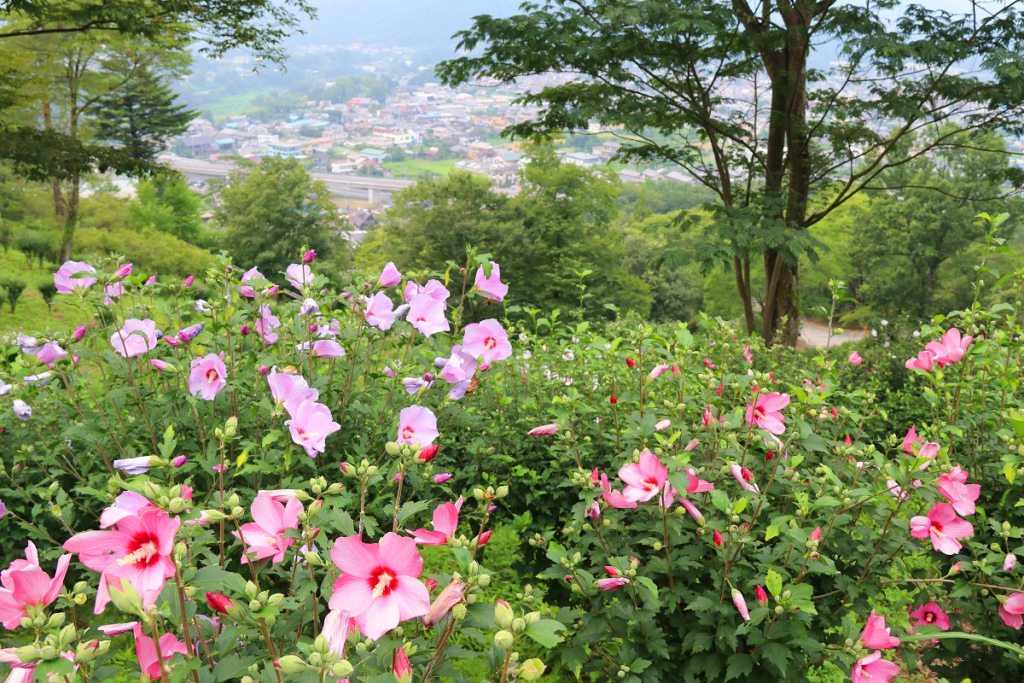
(372,195)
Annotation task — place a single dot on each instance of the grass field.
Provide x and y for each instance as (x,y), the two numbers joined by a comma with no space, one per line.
(32,315)
(417,168)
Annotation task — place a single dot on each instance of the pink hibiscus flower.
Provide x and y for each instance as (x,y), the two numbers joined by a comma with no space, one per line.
(445,522)
(488,340)
(265,535)
(643,479)
(310,425)
(25,585)
(298,275)
(389,277)
(923,361)
(962,495)
(379,586)
(138,550)
(426,314)
(874,669)
(66,282)
(766,412)
(950,348)
(943,527)
(855,358)
(207,377)
(135,338)
(876,634)
(146,651)
(380,311)
(285,387)
(417,425)
(1011,610)
(266,324)
(491,287)
(930,614)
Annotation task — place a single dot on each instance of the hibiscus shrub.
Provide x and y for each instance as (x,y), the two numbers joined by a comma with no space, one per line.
(249,470)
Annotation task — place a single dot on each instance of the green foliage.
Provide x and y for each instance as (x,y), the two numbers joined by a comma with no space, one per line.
(156,252)
(12,290)
(272,210)
(167,204)
(40,245)
(47,290)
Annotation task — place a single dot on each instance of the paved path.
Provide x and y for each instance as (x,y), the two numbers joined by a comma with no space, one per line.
(814,334)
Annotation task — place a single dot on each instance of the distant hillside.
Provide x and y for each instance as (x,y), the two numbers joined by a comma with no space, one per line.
(422,24)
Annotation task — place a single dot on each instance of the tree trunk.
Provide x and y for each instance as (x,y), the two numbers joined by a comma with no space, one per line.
(70,220)
(742,271)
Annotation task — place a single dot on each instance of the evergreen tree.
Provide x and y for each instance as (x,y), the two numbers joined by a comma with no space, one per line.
(142,114)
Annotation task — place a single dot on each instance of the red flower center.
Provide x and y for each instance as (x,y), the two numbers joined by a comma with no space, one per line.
(490,343)
(651,484)
(929,617)
(142,551)
(211,375)
(407,432)
(383,580)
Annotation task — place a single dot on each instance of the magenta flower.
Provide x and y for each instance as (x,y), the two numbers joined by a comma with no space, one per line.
(135,338)
(644,479)
(910,439)
(1011,610)
(298,275)
(266,324)
(876,634)
(486,340)
(692,509)
(543,430)
(426,314)
(150,281)
(445,523)
(962,495)
(874,669)
(247,291)
(379,586)
(491,287)
(923,361)
(950,348)
(310,425)
(389,277)
(612,583)
(943,527)
(66,282)
(855,358)
(146,651)
(930,614)
(309,256)
(25,584)
(79,333)
(442,478)
(207,377)
(124,271)
(265,536)
(766,412)
(380,311)
(741,604)
(188,281)
(159,364)
(137,550)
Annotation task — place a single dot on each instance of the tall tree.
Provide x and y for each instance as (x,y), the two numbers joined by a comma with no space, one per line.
(141,113)
(724,89)
(273,209)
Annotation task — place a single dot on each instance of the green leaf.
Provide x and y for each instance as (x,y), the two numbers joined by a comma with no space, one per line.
(271,438)
(771,532)
(773,582)
(778,654)
(720,500)
(1010,472)
(545,632)
(739,665)
(232,667)
(411,508)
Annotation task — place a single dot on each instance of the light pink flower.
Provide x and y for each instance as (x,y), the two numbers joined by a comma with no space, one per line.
(961,495)
(310,425)
(923,361)
(417,425)
(207,377)
(692,509)
(1011,611)
(380,311)
(284,387)
(135,338)
(747,354)
(929,450)
(112,291)
(337,627)
(612,583)
(662,425)
(265,535)
(65,281)
(146,651)
(126,504)
(458,370)
(659,370)
(25,584)
(323,348)
(436,290)
(442,478)
(486,340)
(1009,562)
(491,287)
(445,523)
(874,669)
(50,352)
(379,586)
(930,614)
(943,527)
(266,324)
(644,479)
(766,412)
(876,634)
(855,358)
(247,291)
(543,430)
(158,364)
(426,314)
(950,348)
(298,275)
(136,550)
(452,595)
(741,604)
(389,277)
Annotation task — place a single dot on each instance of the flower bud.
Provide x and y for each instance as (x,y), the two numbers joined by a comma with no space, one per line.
(291,664)
(503,614)
(503,639)
(531,669)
